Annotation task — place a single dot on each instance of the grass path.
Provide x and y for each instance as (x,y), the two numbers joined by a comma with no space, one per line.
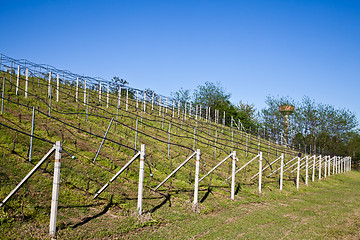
(327,210)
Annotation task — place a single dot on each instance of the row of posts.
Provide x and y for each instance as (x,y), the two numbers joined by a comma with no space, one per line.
(326,164)
(187,106)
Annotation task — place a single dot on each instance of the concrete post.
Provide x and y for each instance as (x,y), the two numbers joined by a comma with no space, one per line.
(137,99)
(49,87)
(320,167)
(197,170)
(127,99)
(313,173)
(260,171)
(281,171)
(3,97)
(55,191)
(325,166)
(17,80)
(84,91)
(77,89)
(32,133)
(233,175)
(57,87)
(26,82)
(141,179)
(298,174)
(306,170)
(107,97)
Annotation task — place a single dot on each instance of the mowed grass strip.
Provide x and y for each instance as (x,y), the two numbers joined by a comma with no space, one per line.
(328,209)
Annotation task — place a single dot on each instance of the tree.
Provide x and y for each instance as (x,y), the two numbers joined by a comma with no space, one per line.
(211,95)
(183,95)
(324,127)
(116,83)
(247,115)
(274,120)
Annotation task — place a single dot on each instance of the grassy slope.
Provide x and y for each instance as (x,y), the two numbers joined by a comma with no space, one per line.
(27,213)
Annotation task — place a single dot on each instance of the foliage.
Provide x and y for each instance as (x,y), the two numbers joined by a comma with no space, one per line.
(327,129)
(183,95)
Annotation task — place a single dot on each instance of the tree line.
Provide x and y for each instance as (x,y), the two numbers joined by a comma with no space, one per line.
(314,128)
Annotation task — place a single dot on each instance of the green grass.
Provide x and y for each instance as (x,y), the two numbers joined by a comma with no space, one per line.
(325,210)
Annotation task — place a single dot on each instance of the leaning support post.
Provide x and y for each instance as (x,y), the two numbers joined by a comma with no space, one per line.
(233,175)
(298,173)
(281,171)
(116,175)
(97,153)
(173,172)
(32,133)
(260,171)
(46,156)
(217,165)
(196,185)
(55,191)
(141,179)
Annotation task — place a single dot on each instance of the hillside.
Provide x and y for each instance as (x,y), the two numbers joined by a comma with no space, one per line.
(80,118)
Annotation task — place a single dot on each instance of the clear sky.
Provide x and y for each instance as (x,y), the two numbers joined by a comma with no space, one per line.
(254,48)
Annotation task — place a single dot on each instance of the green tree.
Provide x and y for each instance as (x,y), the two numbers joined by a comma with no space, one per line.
(183,95)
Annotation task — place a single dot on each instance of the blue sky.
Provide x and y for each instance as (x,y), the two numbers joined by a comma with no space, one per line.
(254,48)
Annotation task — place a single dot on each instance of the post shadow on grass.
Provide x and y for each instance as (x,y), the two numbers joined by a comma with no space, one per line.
(79,206)
(167,199)
(88,219)
(209,190)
